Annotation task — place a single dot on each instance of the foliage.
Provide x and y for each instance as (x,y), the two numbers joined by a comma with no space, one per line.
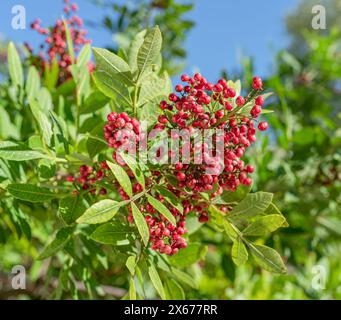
(125,20)
(52,130)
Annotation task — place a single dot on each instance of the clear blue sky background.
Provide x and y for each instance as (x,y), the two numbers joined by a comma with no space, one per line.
(225,30)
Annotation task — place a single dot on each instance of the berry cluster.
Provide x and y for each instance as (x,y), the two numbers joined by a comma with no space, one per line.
(56,43)
(203,105)
(198,105)
(121,130)
(88,176)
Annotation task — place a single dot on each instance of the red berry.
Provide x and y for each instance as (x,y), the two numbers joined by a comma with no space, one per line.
(262,126)
(240,101)
(179,88)
(257,83)
(181,176)
(259,100)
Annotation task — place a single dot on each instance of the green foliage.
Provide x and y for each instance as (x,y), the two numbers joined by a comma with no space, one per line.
(125,22)
(48,130)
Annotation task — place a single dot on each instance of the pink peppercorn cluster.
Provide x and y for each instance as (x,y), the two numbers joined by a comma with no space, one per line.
(197,105)
(121,130)
(164,236)
(56,43)
(203,105)
(88,177)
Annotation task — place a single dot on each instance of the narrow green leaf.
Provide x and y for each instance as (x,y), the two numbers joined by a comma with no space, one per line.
(14,66)
(21,155)
(84,56)
(132,290)
(140,223)
(185,278)
(161,208)
(71,208)
(61,239)
(122,178)
(239,252)
(264,225)
(69,42)
(267,258)
(101,211)
(29,192)
(134,48)
(173,290)
(131,264)
(171,198)
(155,278)
(114,233)
(33,82)
(43,122)
(134,167)
(149,50)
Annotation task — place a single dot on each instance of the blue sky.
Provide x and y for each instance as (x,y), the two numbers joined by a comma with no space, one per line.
(224,30)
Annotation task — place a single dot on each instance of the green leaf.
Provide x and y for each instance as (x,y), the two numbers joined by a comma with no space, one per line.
(264,225)
(33,82)
(131,264)
(45,100)
(71,208)
(95,101)
(29,192)
(273,209)
(47,168)
(161,208)
(173,290)
(101,211)
(232,196)
(253,204)
(112,87)
(51,75)
(134,48)
(122,178)
(185,278)
(154,89)
(44,124)
(114,233)
(84,56)
(134,167)
(171,198)
(112,64)
(149,50)
(239,252)
(189,255)
(94,143)
(155,278)
(132,290)
(230,231)
(14,66)
(140,223)
(21,155)
(267,258)
(69,42)
(61,239)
